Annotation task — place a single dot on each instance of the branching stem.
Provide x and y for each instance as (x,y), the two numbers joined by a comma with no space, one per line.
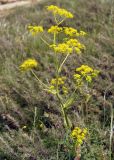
(43,84)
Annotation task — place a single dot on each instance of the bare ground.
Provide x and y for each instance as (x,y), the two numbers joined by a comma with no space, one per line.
(7,6)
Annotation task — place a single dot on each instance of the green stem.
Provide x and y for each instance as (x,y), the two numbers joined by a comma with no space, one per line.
(55,19)
(72,95)
(54,38)
(44,41)
(59,70)
(43,84)
(58,23)
(56,64)
(61,21)
(66,122)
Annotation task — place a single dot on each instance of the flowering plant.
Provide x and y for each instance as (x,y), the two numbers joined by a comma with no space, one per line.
(69,45)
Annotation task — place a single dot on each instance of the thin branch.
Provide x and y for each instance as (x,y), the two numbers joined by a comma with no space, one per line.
(44,41)
(43,84)
(59,70)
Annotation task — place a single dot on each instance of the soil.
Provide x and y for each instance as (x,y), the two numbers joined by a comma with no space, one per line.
(8,1)
(6,6)
(3,2)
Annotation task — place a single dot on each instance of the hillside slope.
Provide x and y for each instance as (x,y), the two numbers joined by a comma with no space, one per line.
(20,93)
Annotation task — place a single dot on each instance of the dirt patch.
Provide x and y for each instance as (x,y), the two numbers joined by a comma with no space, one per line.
(13,4)
(2,2)
(6,6)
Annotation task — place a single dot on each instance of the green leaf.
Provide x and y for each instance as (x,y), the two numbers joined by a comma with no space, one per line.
(69,102)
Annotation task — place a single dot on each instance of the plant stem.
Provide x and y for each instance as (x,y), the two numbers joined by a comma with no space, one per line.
(58,23)
(111,130)
(55,19)
(54,38)
(43,84)
(44,41)
(59,70)
(61,21)
(66,122)
(34,123)
(78,153)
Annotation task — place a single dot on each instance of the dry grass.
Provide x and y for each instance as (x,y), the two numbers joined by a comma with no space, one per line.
(19,93)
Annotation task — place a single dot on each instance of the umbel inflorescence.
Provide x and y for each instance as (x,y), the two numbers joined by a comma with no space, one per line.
(28,64)
(85,74)
(79,135)
(59,11)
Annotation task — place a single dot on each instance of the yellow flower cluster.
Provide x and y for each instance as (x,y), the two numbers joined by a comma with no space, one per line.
(82,33)
(79,135)
(35,29)
(73,32)
(85,73)
(28,64)
(62,48)
(65,90)
(67,30)
(60,83)
(76,45)
(55,29)
(78,79)
(59,11)
(68,47)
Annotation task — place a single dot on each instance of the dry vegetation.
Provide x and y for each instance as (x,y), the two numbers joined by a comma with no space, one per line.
(19,93)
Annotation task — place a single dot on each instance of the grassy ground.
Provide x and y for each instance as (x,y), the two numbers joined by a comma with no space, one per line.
(20,93)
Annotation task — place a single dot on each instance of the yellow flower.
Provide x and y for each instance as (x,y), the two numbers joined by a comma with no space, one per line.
(59,81)
(79,135)
(71,31)
(55,29)
(77,76)
(79,141)
(85,68)
(88,78)
(35,29)
(28,64)
(52,89)
(83,135)
(59,11)
(75,131)
(76,45)
(68,47)
(72,42)
(82,33)
(62,48)
(95,73)
(65,90)
(78,51)
(86,73)
(78,79)
(85,130)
